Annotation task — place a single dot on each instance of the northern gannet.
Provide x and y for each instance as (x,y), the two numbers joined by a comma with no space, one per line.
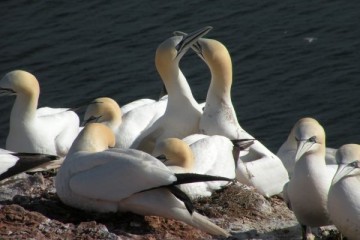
(96,178)
(127,127)
(344,194)
(182,114)
(307,191)
(210,155)
(44,130)
(260,168)
(12,163)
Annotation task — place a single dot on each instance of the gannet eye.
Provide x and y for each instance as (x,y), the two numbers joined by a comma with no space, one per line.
(355,164)
(162,158)
(312,139)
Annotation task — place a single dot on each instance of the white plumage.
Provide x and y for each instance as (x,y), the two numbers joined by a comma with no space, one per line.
(45,130)
(96,178)
(344,194)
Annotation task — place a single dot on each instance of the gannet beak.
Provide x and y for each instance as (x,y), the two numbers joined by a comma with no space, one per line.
(7,92)
(196,47)
(303,147)
(91,119)
(190,39)
(345,169)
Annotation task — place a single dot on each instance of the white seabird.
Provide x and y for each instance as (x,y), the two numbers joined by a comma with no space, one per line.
(344,194)
(96,178)
(307,191)
(44,130)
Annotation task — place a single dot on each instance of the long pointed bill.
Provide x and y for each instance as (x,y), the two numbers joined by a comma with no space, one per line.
(303,147)
(196,47)
(7,92)
(91,119)
(190,39)
(345,169)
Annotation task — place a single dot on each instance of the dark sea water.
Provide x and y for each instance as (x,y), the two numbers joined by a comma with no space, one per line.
(290,58)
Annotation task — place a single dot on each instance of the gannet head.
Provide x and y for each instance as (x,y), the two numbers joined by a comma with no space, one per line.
(169,52)
(217,57)
(95,137)
(310,137)
(103,110)
(19,82)
(348,158)
(345,169)
(176,152)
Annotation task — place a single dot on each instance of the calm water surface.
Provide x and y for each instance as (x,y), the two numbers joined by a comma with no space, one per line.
(291,58)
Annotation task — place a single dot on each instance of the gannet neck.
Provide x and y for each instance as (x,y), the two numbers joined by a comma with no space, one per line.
(104,110)
(27,90)
(95,137)
(167,65)
(177,153)
(218,59)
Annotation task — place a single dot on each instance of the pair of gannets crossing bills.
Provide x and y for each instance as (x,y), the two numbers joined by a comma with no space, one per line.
(259,168)
(96,177)
(44,130)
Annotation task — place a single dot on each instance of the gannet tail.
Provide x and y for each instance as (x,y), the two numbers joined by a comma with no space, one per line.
(203,223)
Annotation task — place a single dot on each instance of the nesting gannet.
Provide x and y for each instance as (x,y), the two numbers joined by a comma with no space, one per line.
(260,168)
(45,130)
(287,152)
(94,177)
(126,127)
(12,163)
(211,155)
(344,194)
(307,191)
(182,114)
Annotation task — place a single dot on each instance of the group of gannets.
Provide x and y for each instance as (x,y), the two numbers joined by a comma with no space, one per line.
(320,192)
(152,157)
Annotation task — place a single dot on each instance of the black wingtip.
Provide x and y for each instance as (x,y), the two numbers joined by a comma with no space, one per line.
(182,197)
(27,161)
(183,178)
